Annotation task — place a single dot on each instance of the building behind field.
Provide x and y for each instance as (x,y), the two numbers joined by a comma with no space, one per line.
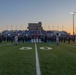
(33,26)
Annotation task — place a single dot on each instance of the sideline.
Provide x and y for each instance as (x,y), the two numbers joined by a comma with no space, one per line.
(68,45)
(38,72)
(6,44)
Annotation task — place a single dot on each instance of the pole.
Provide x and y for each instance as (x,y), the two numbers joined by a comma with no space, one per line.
(75,30)
(48,27)
(73,24)
(58,28)
(73,13)
(53,27)
(6,27)
(62,28)
(20,27)
(16,27)
(11,27)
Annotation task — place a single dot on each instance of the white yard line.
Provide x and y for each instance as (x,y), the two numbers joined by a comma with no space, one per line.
(68,45)
(38,72)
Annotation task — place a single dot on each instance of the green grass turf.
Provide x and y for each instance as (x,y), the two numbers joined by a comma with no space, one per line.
(61,60)
(16,62)
(71,43)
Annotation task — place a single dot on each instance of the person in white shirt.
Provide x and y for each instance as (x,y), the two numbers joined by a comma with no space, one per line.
(16,39)
(57,39)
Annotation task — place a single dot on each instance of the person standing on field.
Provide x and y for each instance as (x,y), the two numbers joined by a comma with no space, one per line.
(57,39)
(16,39)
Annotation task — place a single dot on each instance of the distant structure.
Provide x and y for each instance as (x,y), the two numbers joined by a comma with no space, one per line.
(33,26)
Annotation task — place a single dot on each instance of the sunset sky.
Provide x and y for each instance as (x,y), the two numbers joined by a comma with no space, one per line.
(52,13)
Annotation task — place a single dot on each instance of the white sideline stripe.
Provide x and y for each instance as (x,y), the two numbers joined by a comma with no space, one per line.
(38,72)
(68,45)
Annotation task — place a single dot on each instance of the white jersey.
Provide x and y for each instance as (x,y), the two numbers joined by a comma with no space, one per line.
(57,38)
(16,38)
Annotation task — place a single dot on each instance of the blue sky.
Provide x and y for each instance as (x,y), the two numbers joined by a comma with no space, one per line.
(49,12)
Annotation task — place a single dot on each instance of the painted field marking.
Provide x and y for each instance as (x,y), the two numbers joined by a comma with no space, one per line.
(45,48)
(38,72)
(26,48)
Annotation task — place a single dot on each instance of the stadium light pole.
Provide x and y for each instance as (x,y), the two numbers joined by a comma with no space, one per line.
(48,27)
(6,27)
(58,27)
(73,14)
(62,28)
(53,27)
(75,30)
(11,27)
(16,27)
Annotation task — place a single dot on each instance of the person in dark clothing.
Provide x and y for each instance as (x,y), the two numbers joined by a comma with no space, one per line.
(73,38)
(45,39)
(68,39)
(64,39)
(0,38)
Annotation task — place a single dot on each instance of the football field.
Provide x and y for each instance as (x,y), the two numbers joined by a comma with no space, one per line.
(52,59)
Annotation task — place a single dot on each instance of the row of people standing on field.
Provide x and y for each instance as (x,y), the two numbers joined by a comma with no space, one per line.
(11,38)
(44,38)
(61,38)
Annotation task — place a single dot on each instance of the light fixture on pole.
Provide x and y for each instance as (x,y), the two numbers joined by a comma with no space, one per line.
(73,13)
